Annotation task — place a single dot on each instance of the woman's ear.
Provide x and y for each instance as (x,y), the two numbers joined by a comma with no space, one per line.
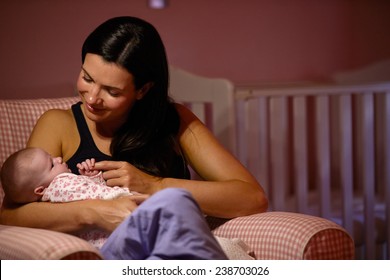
(144,90)
(39,190)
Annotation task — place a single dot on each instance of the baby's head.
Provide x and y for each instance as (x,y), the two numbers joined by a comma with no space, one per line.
(26,174)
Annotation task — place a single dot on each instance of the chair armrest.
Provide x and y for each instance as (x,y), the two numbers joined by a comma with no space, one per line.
(285,235)
(21,243)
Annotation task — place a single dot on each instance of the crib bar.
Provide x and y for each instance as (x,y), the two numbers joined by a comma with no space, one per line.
(386,165)
(307,90)
(365,141)
(344,142)
(241,128)
(279,151)
(253,141)
(322,131)
(263,142)
(300,163)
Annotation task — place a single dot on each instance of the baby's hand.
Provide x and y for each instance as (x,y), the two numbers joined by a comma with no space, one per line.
(87,167)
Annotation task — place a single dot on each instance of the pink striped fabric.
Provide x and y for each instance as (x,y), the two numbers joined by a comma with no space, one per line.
(19,243)
(284,235)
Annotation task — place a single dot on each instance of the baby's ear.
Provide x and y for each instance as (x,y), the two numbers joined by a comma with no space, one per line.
(39,190)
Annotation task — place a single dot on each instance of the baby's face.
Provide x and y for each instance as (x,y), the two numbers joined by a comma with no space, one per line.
(49,167)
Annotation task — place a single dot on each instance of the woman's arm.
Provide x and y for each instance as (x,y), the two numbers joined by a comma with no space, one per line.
(228,189)
(70,217)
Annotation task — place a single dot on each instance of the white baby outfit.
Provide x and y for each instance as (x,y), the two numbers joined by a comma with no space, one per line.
(68,187)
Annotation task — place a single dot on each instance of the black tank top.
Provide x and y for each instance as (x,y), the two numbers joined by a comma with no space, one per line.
(88,148)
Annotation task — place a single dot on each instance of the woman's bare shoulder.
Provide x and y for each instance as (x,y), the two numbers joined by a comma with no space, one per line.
(51,129)
(57,114)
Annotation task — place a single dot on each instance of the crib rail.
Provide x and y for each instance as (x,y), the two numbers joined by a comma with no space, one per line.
(322,150)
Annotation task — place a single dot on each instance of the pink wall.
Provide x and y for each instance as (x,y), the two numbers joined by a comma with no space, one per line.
(371,31)
(246,41)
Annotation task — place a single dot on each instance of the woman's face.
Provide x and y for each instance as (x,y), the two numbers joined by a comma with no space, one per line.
(107,91)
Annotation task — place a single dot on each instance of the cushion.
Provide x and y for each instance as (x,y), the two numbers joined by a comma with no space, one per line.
(285,235)
(20,243)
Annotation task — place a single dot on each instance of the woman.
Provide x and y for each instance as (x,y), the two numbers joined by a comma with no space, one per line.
(141,139)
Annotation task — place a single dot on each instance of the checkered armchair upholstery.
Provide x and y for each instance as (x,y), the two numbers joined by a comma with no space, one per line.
(271,235)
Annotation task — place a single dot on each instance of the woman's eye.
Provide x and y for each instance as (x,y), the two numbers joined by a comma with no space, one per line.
(113,94)
(87,79)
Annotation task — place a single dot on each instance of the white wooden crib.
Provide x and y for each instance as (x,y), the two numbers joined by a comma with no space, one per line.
(322,150)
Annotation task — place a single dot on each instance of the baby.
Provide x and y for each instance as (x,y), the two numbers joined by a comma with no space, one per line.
(31,174)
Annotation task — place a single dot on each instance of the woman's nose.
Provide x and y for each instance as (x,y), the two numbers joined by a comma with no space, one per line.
(93,94)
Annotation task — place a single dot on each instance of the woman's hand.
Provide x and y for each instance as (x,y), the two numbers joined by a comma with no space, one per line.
(111,213)
(123,174)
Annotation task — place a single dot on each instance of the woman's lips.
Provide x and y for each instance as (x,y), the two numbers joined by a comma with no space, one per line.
(92,109)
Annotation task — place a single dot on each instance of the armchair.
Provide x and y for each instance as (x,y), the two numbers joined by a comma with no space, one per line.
(271,235)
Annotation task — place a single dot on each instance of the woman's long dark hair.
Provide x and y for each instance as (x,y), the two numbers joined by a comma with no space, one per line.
(147,139)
